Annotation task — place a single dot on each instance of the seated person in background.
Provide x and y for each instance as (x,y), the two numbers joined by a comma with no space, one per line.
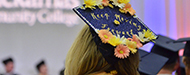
(150,63)
(9,66)
(181,69)
(62,72)
(186,61)
(166,47)
(42,68)
(186,54)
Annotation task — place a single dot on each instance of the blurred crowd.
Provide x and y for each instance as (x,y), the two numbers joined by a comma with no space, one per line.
(41,67)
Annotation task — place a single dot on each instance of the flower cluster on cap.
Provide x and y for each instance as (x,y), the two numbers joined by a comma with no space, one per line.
(123,46)
(124,5)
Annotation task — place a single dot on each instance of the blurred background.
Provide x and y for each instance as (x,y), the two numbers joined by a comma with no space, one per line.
(32,30)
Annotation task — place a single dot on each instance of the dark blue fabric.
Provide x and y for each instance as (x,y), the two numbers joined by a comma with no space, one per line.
(187,45)
(124,26)
(165,46)
(150,63)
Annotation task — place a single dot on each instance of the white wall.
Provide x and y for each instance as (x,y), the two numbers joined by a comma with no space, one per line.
(28,45)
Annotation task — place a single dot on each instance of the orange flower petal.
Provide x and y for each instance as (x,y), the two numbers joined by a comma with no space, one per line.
(105,2)
(132,11)
(139,44)
(105,35)
(122,51)
(135,39)
(128,5)
(129,9)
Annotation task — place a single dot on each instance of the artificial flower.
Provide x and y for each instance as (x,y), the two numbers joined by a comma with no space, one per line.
(105,2)
(122,39)
(148,34)
(90,4)
(105,35)
(135,39)
(141,37)
(123,1)
(128,8)
(99,2)
(131,45)
(116,40)
(114,72)
(102,2)
(121,51)
(116,3)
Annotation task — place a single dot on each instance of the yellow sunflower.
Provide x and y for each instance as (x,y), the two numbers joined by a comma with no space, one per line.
(123,1)
(148,34)
(90,4)
(132,46)
(141,37)
(116,40)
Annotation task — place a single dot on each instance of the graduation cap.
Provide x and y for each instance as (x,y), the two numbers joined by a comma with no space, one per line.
(7,60)
(142,53)
(117,20)
(40,64)
(187,46)
(150,63)
(165,46)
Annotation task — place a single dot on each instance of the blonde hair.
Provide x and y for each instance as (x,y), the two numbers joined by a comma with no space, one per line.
(84,58)
(186,61)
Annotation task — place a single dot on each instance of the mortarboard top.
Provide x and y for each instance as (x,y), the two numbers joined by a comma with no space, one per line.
(42,62)
(7,60)
(187,46)
(166,47)
(150,63)
(142,52)
(111,18)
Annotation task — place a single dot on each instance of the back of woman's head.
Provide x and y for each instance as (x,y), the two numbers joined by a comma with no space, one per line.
(84,58)
(186,61)
(129,65)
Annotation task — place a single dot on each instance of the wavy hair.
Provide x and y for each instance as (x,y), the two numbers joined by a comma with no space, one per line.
(84,58)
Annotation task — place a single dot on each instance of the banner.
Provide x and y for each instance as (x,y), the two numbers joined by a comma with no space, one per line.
(31,12)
